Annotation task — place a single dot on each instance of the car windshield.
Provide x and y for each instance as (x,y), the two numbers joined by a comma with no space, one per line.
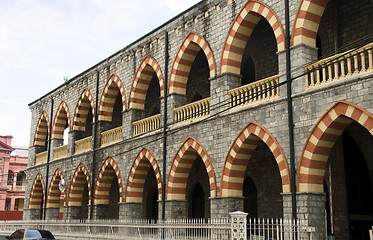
(39,234)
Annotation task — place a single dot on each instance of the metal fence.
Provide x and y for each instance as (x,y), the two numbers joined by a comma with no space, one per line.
(224,228)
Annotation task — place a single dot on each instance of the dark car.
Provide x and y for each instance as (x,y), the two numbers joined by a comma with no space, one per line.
(26,233)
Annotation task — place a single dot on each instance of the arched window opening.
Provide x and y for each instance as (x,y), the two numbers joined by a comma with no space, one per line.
(88,125)
(259,59)
(117,111)
(150,196)
(152,100)
(10,177)
(250,195)
(85,201)
(113,207)
(198,202)
(198,80)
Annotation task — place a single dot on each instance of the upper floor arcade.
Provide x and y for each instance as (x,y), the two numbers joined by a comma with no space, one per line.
(203,69)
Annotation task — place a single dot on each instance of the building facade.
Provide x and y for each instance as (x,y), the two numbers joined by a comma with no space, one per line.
(193,121)
(13,162)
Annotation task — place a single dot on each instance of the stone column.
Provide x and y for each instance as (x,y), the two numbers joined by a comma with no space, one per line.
(32,151)
(219,87)
(52,213)
(102,126)
(310,207)
(128,117)
(130,210)
(173,101)
(176,209)
(238,225)
(72,136)
(55,143)
(32,214)
(222,206)
(100,211)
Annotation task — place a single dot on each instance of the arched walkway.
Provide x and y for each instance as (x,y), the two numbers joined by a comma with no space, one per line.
(137,176)
(85,103)
(241,30)
(144,74)
(182,64)
(37,193)
(61,119)
(307,22)
(113,86)
(79,180)
(179,172)
(54,193)
(240,154)
(321,140)
(42,129)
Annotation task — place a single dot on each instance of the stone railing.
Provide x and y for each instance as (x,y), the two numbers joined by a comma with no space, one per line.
(41,158)
(60,152)
(111,136)
(83,145)
(193,111)
(340,66)
(255,92)
(146,125)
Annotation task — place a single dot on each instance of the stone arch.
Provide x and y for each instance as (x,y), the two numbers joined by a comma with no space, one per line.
(62,115)
(141,82)
(240,153)
(182,163)
(42,129)
(80,177)
(321,140)
(136,178)
(54,193)
(307,20)
(184,60)
(83,105)
(107,101)
(240,32)
(37,192)
(104,178)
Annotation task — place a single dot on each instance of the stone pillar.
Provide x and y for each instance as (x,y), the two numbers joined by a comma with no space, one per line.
(102,126)
(32,151)
(74,212)
(222,206)
(311,207)
(238,225)
(72,137)
(128,117)
(176,209)
(55,143)
(100,211)
(32,214)
(52,213)
(219,87)
(173,101)
(130,210)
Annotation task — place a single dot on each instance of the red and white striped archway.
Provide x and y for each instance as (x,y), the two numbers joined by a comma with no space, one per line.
(83,105)
(54,193)
(37,193)
(79,179)
(42,129)
(59,123)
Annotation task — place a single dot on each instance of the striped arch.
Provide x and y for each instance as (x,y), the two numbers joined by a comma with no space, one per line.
(321,140)
(103,183)
(42,129)
(54,193)
(80,178)
(179,172)
(136,178)
(307,20)
(240,31)
(141,82)
(113,86)
(239,156)
(85,102)
(184,60)
(37,192)
(59,123)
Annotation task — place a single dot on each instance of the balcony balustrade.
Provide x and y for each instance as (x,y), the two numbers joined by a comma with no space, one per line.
(146,125)
(60,152)
(255,92)
(341,66)
(41,158)
(83,145)
(111,136)
(193,111)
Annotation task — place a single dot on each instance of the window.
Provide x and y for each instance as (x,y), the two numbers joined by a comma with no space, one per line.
(7,204)
(16,204)
(10,177)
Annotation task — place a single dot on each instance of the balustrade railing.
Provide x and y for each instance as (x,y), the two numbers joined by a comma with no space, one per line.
(193,111)
(255,92)
(111,136)
(83,145)
(60,152)
(41,158)
(146,125)
(340,66)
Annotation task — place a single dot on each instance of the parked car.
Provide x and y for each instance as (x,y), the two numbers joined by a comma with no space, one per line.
(25,233)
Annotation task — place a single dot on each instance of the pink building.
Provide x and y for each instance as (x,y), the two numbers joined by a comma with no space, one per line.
(13,162)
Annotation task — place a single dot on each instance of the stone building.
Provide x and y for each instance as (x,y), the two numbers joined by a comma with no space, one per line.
(13,162)
(192,121)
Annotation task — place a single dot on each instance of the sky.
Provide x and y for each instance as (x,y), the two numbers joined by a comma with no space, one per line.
(44,41)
